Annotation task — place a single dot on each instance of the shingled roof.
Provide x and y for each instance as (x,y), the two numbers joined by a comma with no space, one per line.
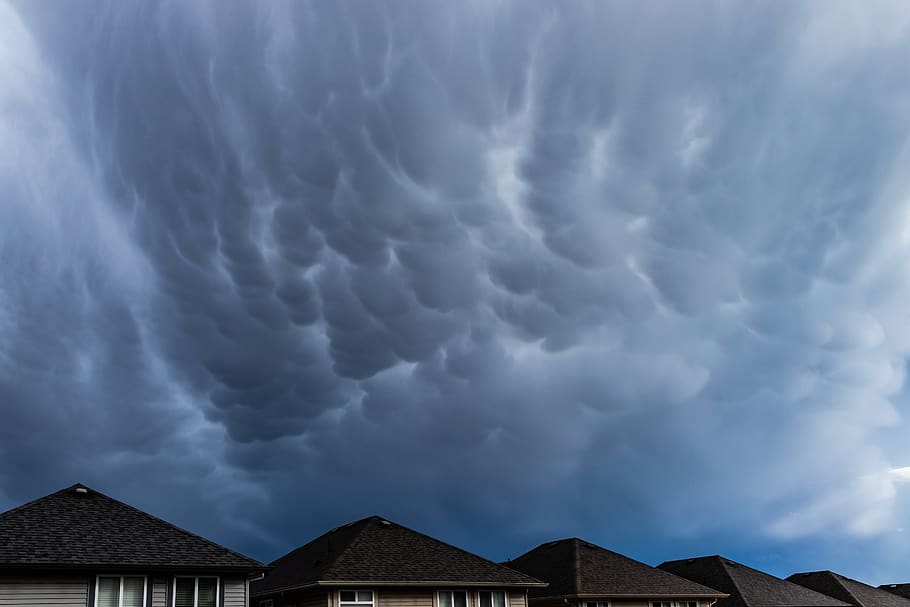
(747,587)
(79,528)
(378,552)
(856,593)
(575,567)
(898,589)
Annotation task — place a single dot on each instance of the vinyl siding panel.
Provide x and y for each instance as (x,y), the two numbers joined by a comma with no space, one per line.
(517,599)
(405,598)
(51,593)
(159,592)
(234,592)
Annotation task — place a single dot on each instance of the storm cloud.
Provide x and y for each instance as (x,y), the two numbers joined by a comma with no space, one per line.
(505,272)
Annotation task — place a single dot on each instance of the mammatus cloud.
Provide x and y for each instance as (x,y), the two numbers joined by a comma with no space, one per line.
(304,260)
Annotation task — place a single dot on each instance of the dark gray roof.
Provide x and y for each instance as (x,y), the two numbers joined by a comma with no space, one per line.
(851,591)
(576,567)
(377,551)
(898,589)
(747,587)
(80,528)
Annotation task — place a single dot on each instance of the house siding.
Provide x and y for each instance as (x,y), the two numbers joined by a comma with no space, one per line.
(405,598)
(517,599)
(50,593)
(234,592)
(159,592)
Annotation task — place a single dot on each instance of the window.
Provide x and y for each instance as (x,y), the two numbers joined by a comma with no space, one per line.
(597,604)
(674,603)
(355,598)
(496,598)
(195,592)
(452,598)
(120,591)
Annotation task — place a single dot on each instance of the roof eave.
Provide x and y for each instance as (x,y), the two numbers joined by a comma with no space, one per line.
(640,595)
(399,584)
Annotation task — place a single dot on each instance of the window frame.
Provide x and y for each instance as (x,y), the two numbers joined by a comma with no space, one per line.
(674,603)
(467,597)
(217,579)
(357,603)
(121,576)
(599,603)
(505,597)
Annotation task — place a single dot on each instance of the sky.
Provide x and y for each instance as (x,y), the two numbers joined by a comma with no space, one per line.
(502,272)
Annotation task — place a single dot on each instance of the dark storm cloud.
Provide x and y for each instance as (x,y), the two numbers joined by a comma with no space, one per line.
(312,261)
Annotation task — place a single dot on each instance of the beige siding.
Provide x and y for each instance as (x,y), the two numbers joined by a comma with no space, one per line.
(624,603)
(51,593)
(405,598)
(159,592)
(234,592)
(517,599)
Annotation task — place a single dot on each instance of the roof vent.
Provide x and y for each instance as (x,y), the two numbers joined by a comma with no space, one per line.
(82,490)
(384,522)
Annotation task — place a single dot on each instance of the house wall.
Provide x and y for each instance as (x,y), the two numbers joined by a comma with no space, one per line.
(45,592)
(159,592)
(234,592)
(386,597)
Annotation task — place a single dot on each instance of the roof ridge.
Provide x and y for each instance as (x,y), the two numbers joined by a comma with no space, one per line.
(463,551)
(27,504)
(723,564)
(160,520)
(840,581)
(353,540)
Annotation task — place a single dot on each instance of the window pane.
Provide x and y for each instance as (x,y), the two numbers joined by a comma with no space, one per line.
(445,599)
(348,596)
(185,592)
(108,591)
(133,588)
(499,599)
(461,599)
(485,600)
(364,597)
(207,588)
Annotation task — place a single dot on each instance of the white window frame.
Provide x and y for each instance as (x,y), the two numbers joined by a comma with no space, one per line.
(467,597)
(145,587)
(505,597)
(599,604)
(356,603)
(217,579)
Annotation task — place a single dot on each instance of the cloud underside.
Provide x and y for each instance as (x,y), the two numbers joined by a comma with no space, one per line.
(443,259)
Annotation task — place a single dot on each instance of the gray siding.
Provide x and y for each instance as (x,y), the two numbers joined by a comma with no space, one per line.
(234,592)
(406,598)
(159,592)
(517,599)
(50,593)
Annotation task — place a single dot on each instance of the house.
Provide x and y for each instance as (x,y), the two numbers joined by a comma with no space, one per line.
(374,562)
(898,589)
(80,548)
(581,574)
(746,586)
(850,591)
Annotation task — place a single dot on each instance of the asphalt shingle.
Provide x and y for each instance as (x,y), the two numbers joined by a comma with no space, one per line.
(746,586)
(381,552)
(78,527)
(848,590)
(576,567)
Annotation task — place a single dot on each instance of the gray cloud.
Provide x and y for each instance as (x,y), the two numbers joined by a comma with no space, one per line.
(629,268)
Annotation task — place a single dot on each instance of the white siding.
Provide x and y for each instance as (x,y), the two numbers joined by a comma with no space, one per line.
(234,592)
(51,593)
